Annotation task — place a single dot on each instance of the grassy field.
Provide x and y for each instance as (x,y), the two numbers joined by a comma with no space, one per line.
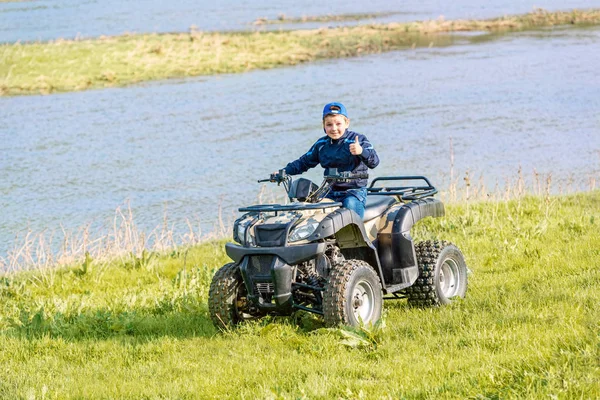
(70,65)
(137,327)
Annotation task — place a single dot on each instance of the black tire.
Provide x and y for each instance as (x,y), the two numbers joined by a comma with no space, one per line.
(352,295)
(227,297)
(442,275)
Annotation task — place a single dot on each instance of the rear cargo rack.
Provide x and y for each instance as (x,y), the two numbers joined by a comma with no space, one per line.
(406,193)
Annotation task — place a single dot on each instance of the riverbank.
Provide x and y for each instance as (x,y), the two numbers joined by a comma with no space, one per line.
(528,327)
(71,65)
(284,19)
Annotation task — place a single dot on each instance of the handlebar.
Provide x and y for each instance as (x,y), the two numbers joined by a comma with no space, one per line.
(277,177)
(330,174)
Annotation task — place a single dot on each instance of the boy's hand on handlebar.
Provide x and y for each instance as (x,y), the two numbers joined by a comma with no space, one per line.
(278,176)
(355,148)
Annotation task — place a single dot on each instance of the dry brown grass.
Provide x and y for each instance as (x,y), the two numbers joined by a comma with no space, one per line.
(125,239)
(468,187)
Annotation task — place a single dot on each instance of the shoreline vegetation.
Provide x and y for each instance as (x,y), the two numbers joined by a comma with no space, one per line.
(139,327)
(122,239)
(284,19)
(73,65)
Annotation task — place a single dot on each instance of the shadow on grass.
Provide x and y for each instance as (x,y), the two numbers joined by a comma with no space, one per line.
(142,325)
(106,324)
(179,320)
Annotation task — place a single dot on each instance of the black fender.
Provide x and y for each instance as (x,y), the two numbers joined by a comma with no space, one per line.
(272,265)
(290,254)
(352,239)
(396,249)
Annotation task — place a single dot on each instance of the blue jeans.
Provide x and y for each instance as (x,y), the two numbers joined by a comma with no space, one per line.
(352,199)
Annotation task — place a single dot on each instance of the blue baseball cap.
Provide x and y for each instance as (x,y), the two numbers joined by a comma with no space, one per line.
(334,109)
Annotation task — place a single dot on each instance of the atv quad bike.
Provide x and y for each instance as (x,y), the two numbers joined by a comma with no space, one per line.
(316,256)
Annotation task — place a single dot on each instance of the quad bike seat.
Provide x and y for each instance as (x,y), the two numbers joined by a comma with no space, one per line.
(376,205)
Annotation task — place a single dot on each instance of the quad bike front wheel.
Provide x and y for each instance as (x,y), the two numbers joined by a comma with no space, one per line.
(227,301)
(353,295)
(442,274)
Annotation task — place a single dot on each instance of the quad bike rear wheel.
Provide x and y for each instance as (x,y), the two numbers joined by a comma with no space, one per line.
(442,274)
(353,295)
(227,301)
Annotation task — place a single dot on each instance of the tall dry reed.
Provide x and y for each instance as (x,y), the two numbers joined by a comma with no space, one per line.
(126,240)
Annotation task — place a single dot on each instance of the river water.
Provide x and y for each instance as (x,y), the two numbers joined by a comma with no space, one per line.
(51,19)
(192,148)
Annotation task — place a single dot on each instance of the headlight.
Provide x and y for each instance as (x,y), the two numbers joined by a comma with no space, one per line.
(303,231)
(241,233)
(239,229)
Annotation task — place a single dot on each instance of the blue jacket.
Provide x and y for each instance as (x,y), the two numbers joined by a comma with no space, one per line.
(336,154)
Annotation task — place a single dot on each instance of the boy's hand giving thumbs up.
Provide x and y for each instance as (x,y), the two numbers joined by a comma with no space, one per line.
(355,148)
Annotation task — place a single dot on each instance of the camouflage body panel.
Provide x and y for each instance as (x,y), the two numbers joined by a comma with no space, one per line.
(386,222)
(412,212)
(371,228)
(281,218)
(285,217)
(313,217)
(379,225)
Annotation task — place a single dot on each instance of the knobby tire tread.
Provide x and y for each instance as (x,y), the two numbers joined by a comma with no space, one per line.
(223,295)
(334,297)
(423,292)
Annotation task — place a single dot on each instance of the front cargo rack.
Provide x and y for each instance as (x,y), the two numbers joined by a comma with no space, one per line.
(290,207)
(406,193)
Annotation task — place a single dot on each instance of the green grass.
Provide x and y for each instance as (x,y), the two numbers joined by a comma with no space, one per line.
(138,327)
(70,65)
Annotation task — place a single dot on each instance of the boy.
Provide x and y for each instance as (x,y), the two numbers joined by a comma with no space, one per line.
(344,150)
